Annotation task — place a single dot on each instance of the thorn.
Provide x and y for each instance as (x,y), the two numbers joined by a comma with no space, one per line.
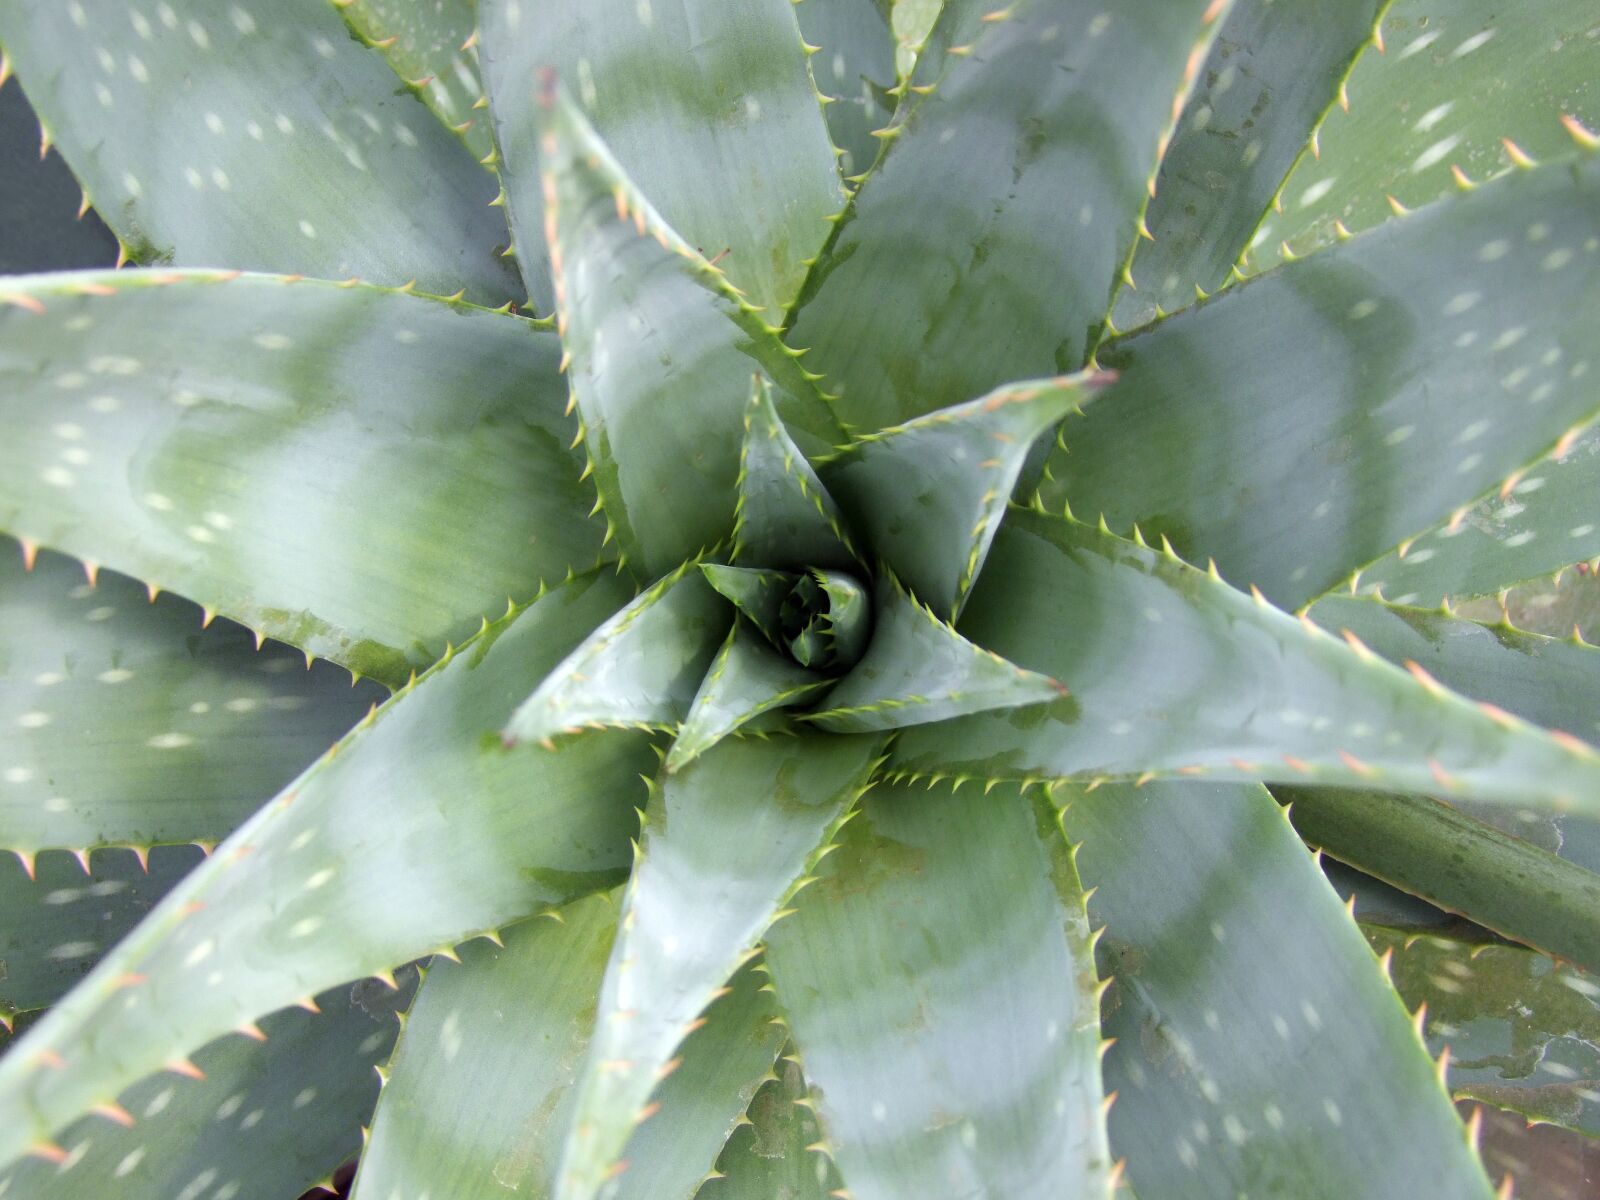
(27,857)
(1518,156)
(114,1112)
(1399,210)
(83,859)
(184,1067)
(20,300)
(1377,38)
(49,1151)
(252,1031)
(1584,137)
(1422,677)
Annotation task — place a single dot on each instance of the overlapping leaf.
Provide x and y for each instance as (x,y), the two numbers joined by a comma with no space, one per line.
(854,68)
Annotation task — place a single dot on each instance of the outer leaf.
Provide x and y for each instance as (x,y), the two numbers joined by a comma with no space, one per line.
(727,843)
(985,244)
(128,725)
(641,668)
(371,859)
(927,496)
(1248,1014)
(1272,428)
(1452,88)
(854,70)
(779,1153)
(429,46)
(917,670)
(420,441)
(1176,672)
(708,105)
(283,145)
(481,1085)
(1457,863)
(1273,72)
(269,1117)
(939,984)
(662,353)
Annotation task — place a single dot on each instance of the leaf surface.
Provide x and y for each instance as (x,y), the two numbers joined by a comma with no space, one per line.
(195,430)
(284,144)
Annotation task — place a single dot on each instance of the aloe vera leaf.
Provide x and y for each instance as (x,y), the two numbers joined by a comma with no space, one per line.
(928,495)
(1451,88)
(1566,606)
(756,592)
(430,46)
(423,442)
(270,1117)
(1459,864)
(727,843)
(639,669)
(747,679)
(918,670)
(939,983)
(371,858)
(283,144)
(128,724)
(985,243)
(778,1153)
(662,350)
(709,106)
(1523,1030)
(1274,70)
(1540,524)
(1248,1011)
(1312,392)
(786,518)
(56,923)
(1177,673)
(1373,902)
(480,1087)
(853,68)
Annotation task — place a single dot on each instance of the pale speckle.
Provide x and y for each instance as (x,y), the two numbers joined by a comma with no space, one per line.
(103,94)
(319,879)
(198,34)
(252,1119)
(215,124)
(1234,1128)
(158,501)
(1466,338)
(1433,116)
(197,1185)
(1473,432)
(201,534)
(130,1162)
(49,678)
(1436,153)
(58,477)
(1521,539)
(220,178)
(242,20)
(158,1103)
(307,229)
(1362,309)
(131,184)
(200,708)
(1274,1116)
(253,128)
(1280,1026)
(323,47)
(1418,45)
(17,774)
(67,431)
(1492,251)
(194,178)
(1510,337)
(305,927)
(1474,42)
(1335,1116)
(137,69)
(284,124)
(230,1106)
(273,341)
(304,1097)
(200,952)
(1579,531)
(1556,259)
(1470,463)
(403,134)
(1461,302)
(303,839)
(104,613)
(115,675)
(33,720)
(79,17)
(241,704)
(1538,231)
(1316,192)
(1099,24)
(169,741)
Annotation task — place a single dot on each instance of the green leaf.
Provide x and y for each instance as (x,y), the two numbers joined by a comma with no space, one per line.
(283,144)
(482,1082)
(269,1117)
(785,516)
(189,430)
(1538,526)
(1459,864)
(1291,428)
(374,857)
(756,592)
(56,924)
(854,68)
(939,983)
(708,105)
(1568,606)
(918,670)
(1452,87)
(1286,58)
(778,1153)
(430,47)
(927,496)
(985,244)
(640,669)
(747,679)
(127,724)
(1175,672)
(1523,1030)
(662,350)
(728,841)
(1248,1014)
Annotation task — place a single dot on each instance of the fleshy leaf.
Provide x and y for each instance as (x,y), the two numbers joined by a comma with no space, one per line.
(430,46)
(727,843)
(927,496)
(776,1154)
(268,1117)
(708,105)
(756,592)
(941,990)
(372,858)
(361,473)
(640,669)
(1286,58)
(826,620)
(283,144)
(985,244)
(662,350)
(481,1084)
(1291,428)
(127,724)
(1452,88)
(786,517)
(917,670)
(747,679)
(1175,672)
(854,69)
(1247,1012)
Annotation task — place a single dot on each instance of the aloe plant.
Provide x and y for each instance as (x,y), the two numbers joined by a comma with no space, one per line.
(815,578)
